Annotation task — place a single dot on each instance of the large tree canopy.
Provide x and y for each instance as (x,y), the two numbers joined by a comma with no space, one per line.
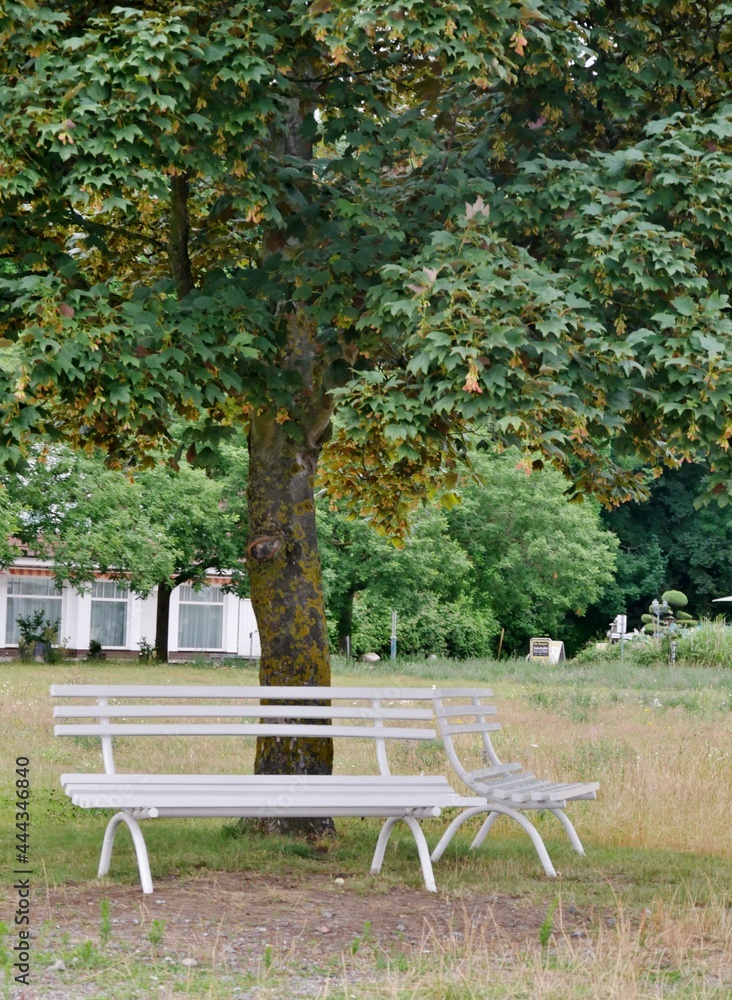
(429,215)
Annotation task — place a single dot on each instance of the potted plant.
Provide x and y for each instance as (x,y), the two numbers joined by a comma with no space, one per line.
(37,635)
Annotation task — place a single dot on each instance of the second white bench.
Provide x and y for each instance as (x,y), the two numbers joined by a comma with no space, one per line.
(503,789)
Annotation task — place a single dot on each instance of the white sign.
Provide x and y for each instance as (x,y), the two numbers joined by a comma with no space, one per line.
(619,627)
(545,650)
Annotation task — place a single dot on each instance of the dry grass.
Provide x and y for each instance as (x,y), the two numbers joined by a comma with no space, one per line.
(655,887)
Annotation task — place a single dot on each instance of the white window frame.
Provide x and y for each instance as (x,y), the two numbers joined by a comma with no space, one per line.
(187,597)
(58,595)
(115,586)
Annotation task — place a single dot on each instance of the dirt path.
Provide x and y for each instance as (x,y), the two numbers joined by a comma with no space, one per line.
(228,920)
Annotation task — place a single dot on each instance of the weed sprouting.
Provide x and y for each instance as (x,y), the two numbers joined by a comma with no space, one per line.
(87,955)
(547,928)
(364,938)
(155,932)
(105,926)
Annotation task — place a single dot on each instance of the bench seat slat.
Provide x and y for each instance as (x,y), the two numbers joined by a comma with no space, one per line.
(243,729)
(234,797)
(521,792)
(493,772)
(240,711)
(570,791)
(350,780)
(305,812)
(512,778)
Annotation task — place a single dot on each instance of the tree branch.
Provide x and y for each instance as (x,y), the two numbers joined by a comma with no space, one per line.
(180,261)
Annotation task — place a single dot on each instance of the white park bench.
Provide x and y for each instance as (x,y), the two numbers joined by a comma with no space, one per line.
(507,790)
(381,715)
(167,711)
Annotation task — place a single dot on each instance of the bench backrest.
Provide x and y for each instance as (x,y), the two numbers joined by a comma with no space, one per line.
(475,713)
(378,714)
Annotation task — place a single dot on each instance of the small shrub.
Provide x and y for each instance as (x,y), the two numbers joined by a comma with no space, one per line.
(591,654)
(105,927)
(96,652)
(647,654)
(147,650)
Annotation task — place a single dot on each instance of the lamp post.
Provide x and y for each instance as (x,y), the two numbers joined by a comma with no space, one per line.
(658,608)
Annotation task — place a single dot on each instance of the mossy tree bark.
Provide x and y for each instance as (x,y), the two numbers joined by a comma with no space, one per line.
(284,564)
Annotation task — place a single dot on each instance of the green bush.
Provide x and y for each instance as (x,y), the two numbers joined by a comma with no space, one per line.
(591,654)
(675,598)
(647,654)
(456,630)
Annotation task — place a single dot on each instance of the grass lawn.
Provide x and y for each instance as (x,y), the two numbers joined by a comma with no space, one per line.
(647,913)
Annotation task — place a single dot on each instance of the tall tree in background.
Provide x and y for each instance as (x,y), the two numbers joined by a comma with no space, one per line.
(671,542)
(514,553)
(535,556)
(428,215)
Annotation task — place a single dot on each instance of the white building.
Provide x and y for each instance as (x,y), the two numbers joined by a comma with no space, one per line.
(208,621)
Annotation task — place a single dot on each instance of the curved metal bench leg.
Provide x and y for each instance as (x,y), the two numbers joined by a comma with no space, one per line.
(484,830)
(143,863)
(532,832)
(571,832)
(381,843)
(495,811)
(422,848)
(453,828)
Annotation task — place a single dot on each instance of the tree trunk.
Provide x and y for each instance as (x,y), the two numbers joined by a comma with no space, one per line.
(283,562)
(162,621)
(345,619)
(287,593)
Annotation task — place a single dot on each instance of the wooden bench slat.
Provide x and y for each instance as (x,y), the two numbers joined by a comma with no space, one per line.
(256,798)
(521,792)
(570,791)
(517,780)
(360,781)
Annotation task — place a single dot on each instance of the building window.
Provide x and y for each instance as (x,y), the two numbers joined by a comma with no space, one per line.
(200,617)
(109,613)
(26,595)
